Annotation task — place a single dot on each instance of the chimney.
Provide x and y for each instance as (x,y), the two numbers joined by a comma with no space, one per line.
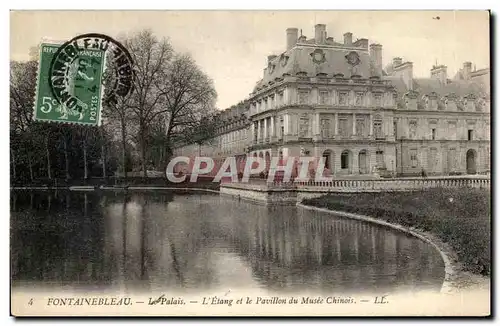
(270,58)
(376,58)
(348,39)
(320,33)
(405,72)
(467,70)
(440,73)
(396,61)
(292,35)
(363,43)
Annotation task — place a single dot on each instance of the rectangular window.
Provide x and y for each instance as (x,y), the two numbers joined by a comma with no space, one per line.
(343,128)
(488,158)
(452,159)
(303,97)
(359,99)
(395,126)
(470,134)
(323,97)
(413,158)
(344,160)
(361,127)
(343,98)
(304,127)
(413,130)
(432,160)
(452,130)
(377,129)
(433,133)
(380,159)
(378,99)
(325,128)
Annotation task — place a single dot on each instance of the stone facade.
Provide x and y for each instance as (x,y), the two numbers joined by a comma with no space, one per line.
(230,139)
(334,100)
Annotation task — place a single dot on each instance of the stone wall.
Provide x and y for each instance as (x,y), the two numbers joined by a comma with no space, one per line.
(291,193)
(260,194)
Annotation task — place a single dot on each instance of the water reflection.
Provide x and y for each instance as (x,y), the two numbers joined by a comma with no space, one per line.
(165,241)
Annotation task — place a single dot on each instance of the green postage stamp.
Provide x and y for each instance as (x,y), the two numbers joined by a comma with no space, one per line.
(82,80)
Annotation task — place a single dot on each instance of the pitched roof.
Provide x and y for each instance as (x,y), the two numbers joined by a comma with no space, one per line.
(302,59)
(397,82)
(458,87)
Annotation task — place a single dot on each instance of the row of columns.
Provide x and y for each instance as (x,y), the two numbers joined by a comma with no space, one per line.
(277,98)
(292,96)
(263,123)
(316,126)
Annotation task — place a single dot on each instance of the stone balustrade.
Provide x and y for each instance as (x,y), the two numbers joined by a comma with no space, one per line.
(397,184)
(290,192)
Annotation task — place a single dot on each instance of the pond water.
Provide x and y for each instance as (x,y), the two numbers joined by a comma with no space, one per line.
(163,241)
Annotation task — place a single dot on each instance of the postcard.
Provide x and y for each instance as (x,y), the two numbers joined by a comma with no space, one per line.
(250,163)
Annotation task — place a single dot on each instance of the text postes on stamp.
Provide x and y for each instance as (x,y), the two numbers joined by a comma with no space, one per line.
(71,80)
(79,82)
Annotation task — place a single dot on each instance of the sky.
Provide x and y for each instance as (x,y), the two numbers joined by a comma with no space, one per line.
(232,46)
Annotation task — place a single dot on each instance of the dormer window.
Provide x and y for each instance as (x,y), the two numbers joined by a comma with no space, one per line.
(446,105)
(470,103)
(394,99)
(480,104)
(426,102)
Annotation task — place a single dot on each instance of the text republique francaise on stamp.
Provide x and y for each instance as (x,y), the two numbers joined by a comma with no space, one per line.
(77,78)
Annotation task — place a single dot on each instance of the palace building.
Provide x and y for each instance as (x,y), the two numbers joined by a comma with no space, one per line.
(325,98)
(334,99)
(230,137)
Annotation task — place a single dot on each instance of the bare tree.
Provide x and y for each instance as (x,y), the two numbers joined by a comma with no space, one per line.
(84,135)
(116,116)
(151,59)
(66,136)
(103,140)
(22,94)
(167,86)
(190,101)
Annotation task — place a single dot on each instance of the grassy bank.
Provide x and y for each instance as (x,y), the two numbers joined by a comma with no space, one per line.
(459,217)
